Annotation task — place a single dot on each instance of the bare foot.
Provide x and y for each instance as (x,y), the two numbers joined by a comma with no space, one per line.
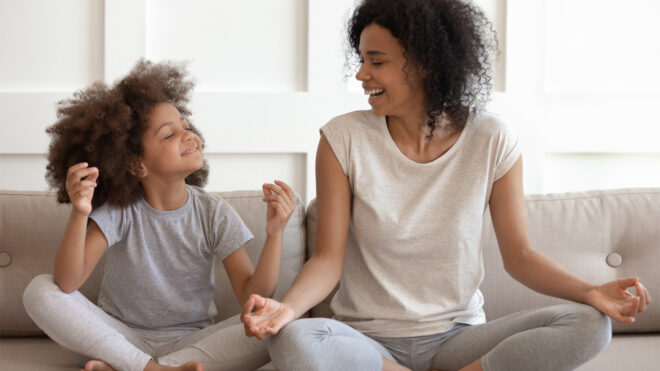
(189,366)
(96,365)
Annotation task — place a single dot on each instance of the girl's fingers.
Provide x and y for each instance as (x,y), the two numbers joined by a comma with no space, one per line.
(75,168)
(266,189)
(286,188)
(283,190)
(94,175)
(84,172)
(76,177)
(87,184)
(278,200)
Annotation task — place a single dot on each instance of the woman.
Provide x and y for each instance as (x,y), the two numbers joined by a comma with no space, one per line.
(402,191)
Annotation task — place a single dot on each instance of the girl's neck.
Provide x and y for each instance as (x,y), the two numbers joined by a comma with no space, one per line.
(165,196)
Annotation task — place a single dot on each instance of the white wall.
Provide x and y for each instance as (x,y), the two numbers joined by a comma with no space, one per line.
(578,79)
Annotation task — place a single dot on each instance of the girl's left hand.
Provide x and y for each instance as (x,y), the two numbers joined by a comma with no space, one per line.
(281,204)
(616,301)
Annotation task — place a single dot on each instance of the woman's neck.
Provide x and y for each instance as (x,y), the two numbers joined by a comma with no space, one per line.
(165,195)
(415,140)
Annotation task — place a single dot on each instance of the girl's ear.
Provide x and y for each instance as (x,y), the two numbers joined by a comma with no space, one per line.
(138,169)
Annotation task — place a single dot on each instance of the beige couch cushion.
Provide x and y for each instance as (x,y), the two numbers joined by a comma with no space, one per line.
(579,231)
(32,223)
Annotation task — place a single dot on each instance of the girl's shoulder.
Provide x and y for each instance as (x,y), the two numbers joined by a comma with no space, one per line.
(210,204)
(201,197)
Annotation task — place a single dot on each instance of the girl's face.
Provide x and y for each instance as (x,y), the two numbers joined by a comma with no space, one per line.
(171,149)
(394,89)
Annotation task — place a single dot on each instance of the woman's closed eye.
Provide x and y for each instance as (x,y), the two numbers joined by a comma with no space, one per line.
(373,62)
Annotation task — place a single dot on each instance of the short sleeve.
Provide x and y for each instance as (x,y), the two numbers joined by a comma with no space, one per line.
(231,232)
(337,135)
(112,221)
(508,148)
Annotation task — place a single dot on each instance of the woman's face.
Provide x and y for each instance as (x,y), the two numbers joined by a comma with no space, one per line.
(394,89)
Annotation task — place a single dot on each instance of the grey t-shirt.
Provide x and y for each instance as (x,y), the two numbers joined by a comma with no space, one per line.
(413,261)
(159,268)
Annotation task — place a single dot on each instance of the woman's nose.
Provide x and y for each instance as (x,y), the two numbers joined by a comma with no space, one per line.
(362,74)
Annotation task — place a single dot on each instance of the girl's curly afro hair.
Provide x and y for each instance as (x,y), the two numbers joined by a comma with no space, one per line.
(450,40)
(104,125)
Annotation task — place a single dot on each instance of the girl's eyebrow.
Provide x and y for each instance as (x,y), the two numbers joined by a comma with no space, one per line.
(163,125)
(181,118)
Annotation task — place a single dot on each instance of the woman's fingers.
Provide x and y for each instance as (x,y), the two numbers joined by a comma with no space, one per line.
(247,307)
(624,283)
(644,297)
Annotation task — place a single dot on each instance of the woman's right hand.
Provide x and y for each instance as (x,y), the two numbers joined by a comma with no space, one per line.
(80,184)
(264,316)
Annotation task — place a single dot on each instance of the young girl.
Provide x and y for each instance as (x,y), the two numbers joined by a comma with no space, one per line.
(129,161)
(402,192)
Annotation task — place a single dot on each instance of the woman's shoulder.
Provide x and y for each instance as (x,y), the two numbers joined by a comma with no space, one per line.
(352,121)
(491,124)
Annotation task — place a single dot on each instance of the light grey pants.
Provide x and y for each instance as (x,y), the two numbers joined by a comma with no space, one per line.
(555,338)
(88,332)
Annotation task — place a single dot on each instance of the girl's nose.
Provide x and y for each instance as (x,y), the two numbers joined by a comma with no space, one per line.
(188,135)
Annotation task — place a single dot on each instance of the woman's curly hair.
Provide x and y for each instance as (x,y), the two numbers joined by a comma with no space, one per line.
(450,40)
(103,126)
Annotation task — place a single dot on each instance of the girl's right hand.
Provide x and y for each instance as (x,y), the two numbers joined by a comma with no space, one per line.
(80,184)
(264,316)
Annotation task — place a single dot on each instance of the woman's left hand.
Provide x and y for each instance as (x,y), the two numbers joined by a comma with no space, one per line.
(281,204)
(616,301)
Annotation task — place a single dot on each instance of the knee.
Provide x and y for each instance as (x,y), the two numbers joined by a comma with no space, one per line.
(299,335)
(36,292)
(595,326)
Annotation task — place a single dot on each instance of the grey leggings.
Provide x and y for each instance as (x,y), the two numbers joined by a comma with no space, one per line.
(555,338)
(88,332)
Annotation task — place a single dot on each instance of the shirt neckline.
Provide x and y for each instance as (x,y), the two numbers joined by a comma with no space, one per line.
(382,123)
(168,213)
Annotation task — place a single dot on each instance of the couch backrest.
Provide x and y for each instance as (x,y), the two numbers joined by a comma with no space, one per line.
(598,235)
(32,224)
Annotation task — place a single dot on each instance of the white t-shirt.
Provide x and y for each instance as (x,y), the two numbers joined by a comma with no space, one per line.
(413,261)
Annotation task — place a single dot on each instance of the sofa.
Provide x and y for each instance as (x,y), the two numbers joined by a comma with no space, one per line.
(599,235)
